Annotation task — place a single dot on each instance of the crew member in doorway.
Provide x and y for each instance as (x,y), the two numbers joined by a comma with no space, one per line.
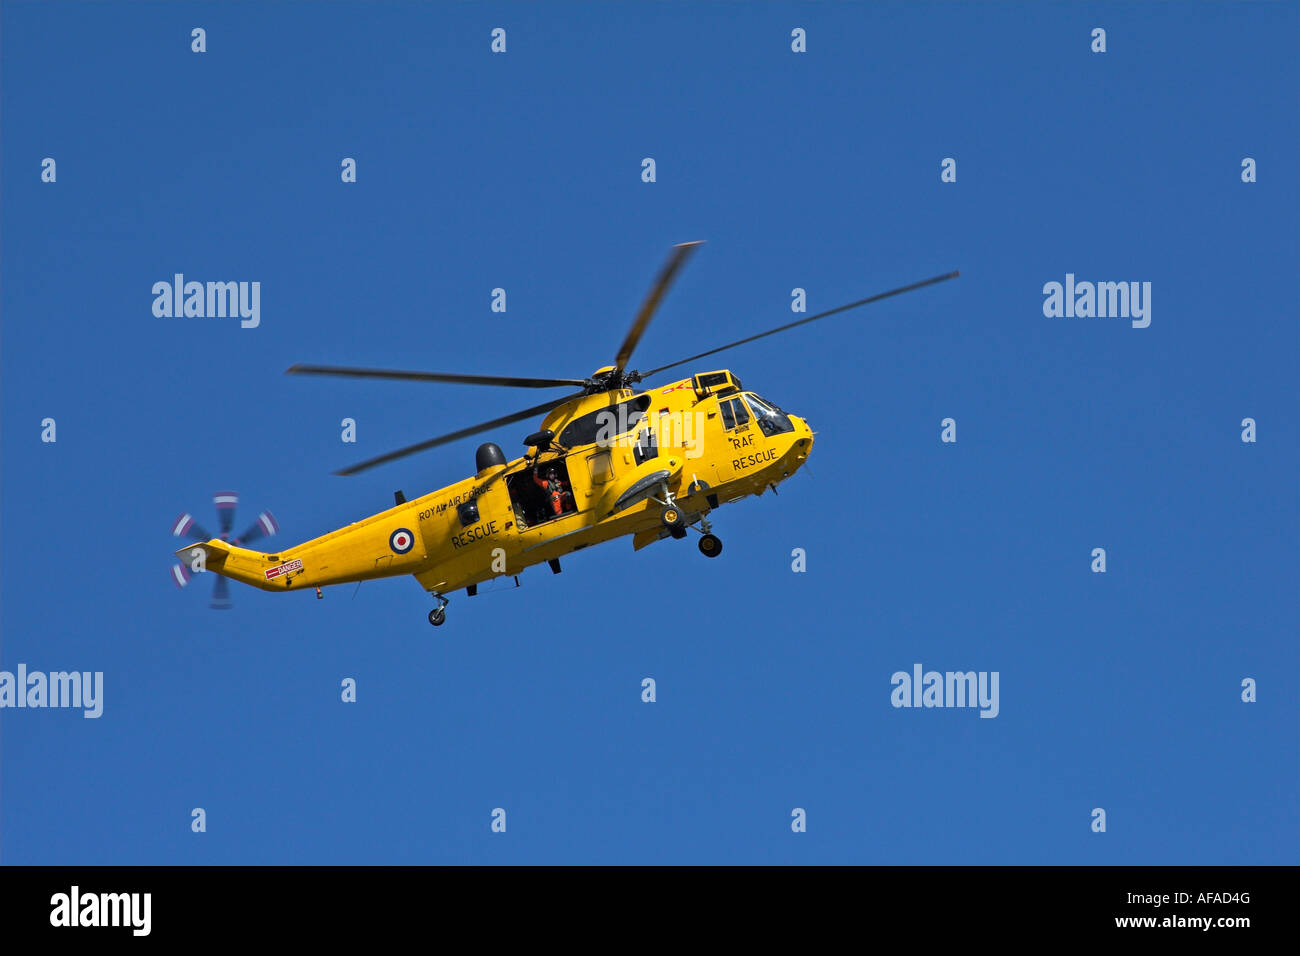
(554,488)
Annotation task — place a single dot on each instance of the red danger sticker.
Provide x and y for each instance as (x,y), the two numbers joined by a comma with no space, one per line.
(286,568)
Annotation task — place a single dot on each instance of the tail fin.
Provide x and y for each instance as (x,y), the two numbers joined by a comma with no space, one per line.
(205,555)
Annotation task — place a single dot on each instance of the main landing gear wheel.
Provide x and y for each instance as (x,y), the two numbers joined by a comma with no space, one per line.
(673,519)
(710,545)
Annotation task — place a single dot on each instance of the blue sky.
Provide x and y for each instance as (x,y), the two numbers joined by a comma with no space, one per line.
(818,170)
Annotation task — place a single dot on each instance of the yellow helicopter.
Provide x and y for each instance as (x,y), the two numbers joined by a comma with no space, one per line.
(606,461)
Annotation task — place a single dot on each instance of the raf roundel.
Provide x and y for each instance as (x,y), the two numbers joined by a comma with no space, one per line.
(401,541)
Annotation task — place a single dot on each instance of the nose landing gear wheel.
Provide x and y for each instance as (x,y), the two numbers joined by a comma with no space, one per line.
(710,545)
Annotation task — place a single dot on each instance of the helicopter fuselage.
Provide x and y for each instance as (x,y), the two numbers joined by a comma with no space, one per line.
(602,466)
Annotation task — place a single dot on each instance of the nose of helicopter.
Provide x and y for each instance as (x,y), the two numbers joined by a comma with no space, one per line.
(802,446)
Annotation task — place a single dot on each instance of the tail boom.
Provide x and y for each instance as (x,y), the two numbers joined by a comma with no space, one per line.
(359,552)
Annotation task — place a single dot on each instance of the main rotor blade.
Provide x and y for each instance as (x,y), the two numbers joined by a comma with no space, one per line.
(514,381)
(811,318)
(463,433)
(676,259)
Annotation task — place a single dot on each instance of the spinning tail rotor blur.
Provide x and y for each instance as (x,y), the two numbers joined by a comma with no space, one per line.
(186,527)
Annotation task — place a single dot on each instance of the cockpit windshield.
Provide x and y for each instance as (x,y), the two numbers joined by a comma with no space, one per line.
(770,419)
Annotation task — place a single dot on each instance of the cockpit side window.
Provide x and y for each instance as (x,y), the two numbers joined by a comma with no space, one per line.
(734,413)
(728,418)
(740,411)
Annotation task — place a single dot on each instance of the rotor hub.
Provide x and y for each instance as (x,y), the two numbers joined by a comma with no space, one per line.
(611,379)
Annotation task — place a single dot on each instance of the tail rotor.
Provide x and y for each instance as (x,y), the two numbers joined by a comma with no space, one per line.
(185,526)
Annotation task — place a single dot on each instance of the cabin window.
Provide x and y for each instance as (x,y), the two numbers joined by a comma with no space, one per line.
(468,513)
(600,467)
(604,423)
